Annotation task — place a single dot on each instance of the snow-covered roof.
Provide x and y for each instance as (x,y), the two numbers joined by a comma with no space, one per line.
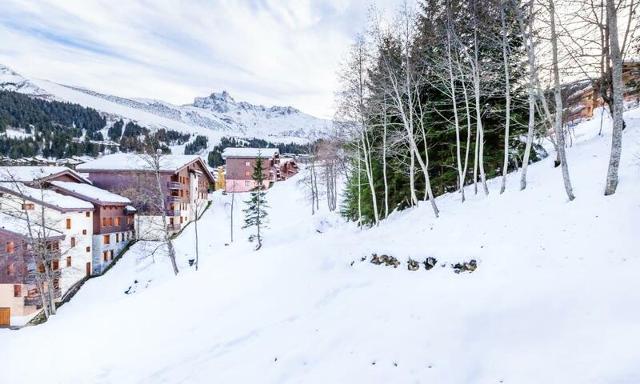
(90,192)
(46,197)
(33,173)
(250,152)
(20,226)
(136,162)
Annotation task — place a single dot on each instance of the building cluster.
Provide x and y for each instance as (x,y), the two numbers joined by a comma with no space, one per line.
(87,212)
(582,97)
(239,164)
(86,217)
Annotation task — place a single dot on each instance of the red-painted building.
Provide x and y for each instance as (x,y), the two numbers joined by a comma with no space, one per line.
(240,163)
(19,295)
(185,182)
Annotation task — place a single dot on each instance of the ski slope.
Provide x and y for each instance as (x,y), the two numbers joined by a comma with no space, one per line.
(553,300)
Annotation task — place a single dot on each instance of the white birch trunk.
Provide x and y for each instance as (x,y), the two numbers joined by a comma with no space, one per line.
(618,103)
(558,101)
(507,94)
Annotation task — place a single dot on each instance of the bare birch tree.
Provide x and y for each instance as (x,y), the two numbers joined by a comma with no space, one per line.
(153,158)
(559,129)
(618,106)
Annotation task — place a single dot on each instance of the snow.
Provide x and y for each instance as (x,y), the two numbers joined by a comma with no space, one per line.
(47,196)
(552,301)
(92,193)
(239,119)
(21,226)
(249,152)
(17,134)
(135,162)
(32,173)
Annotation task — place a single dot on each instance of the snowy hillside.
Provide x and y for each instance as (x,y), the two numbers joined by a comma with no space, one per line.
(553,300)
(214,116)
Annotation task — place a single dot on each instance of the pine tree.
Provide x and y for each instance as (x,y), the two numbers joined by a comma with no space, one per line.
(256,211)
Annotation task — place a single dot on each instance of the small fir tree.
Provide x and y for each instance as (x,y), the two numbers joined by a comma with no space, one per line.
(255,213)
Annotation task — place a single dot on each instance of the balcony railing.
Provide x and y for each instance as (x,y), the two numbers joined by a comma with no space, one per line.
(36,301)
(174,185)
(173,227)
(30,278)
(173,213)
(174,199)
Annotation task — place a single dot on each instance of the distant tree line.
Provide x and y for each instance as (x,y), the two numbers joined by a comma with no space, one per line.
(53,125)
(196,146)
(56,130)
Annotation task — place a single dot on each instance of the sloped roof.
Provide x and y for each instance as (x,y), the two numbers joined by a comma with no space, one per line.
(91,193)
(28,174)
(46,197)
(20,226)
(136,162)
(250,152)
(140,162)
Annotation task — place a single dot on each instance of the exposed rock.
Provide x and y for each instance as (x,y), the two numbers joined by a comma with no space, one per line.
(387,260)
(413,265)
(430,262)
(468,266)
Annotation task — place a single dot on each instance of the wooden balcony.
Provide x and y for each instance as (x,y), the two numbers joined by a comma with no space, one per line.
(31,276)
(36,301)
(174,199)
(174,185)
(173,227)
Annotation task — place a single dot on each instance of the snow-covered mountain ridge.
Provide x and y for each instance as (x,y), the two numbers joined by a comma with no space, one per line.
(214,116)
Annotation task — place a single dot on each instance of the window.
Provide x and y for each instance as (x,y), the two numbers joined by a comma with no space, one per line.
(88,249)
(28,206)
(68,261)
(73,242)
(110,221)
(247,163)
(10,247)
(247,183)
(117,237)
(247,173)
(55,265)
(17,290)
(106,239)
(111,255)
(41,268)
(104,221)
(118,221)
(88,214)
(68,223)
(11,269)
(105,256)
(84,231)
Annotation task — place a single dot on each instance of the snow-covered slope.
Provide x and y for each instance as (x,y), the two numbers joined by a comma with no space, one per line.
(214,116)
(554,298)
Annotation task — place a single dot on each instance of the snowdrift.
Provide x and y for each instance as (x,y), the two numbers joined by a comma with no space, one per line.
(553,299)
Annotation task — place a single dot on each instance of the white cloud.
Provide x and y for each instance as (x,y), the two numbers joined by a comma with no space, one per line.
(265,51)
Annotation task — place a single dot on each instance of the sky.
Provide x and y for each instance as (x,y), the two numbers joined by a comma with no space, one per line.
(272,52)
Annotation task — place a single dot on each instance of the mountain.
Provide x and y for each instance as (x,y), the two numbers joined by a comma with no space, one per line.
(214,116)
